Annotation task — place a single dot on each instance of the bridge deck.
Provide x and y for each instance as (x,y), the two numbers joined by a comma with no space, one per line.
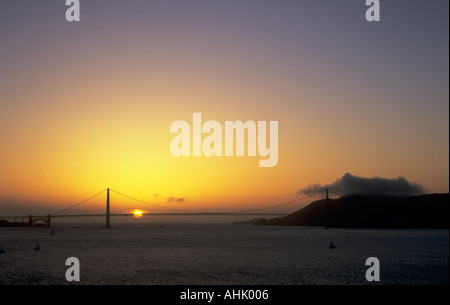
(154,214)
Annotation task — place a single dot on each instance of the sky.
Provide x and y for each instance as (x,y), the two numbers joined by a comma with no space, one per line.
(88,105)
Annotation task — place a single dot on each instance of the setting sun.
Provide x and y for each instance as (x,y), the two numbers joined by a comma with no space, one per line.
(137,213)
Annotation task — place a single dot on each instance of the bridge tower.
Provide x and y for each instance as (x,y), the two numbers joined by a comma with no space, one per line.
(328,211)
(107,225)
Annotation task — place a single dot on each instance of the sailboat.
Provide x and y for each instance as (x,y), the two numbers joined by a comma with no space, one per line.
(1,249)
(52,232)
(332,246)
(37,247)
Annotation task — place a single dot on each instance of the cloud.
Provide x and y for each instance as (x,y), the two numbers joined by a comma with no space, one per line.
(350,184)
(172,199)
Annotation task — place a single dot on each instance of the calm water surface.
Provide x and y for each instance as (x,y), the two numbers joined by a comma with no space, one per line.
(222,254)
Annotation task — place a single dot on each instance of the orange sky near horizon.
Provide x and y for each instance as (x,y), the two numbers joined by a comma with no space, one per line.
(88,106)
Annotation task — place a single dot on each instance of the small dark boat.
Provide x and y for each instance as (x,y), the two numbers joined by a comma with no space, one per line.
(52,232)
(1,249)
(332,246)
(37,247)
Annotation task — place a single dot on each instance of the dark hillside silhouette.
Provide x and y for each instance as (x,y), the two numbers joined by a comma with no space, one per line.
(365,211)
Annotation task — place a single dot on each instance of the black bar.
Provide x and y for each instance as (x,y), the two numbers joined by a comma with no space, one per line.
(167,294)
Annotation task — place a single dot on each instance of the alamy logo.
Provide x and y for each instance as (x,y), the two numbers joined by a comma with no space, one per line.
(73,12)
(373,273)
(212,144)
(373,12)
(73,272)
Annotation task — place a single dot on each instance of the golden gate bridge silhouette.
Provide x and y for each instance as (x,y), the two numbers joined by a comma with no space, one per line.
(119,204)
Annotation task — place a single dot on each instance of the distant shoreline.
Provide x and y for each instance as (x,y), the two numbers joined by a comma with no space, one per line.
(5,223)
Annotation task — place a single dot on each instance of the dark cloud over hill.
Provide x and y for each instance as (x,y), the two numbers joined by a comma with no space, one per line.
(350,184)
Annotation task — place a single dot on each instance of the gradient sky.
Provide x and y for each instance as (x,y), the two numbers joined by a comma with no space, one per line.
(88,105)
